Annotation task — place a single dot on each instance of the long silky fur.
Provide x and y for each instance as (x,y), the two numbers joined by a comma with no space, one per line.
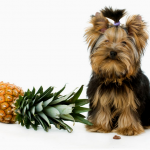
(139,85)
(118,90)
(115,15)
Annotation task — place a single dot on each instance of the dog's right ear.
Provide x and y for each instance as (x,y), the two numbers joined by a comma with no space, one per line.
(100,24)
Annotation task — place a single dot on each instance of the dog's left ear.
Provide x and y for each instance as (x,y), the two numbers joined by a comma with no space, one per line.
(137,29)
(99,25)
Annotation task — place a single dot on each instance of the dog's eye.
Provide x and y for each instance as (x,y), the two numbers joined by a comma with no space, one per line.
(123,42)
(106,40)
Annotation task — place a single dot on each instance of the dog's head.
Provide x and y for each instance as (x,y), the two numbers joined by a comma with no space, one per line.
(115,48)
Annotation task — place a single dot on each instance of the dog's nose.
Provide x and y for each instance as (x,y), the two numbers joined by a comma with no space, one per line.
(113,54)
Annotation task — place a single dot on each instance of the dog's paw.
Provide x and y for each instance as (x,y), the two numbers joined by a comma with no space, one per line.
(98,128)
(129,130)
(104,130)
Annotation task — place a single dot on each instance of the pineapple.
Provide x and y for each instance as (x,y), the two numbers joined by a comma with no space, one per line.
(44,108)
(8,95)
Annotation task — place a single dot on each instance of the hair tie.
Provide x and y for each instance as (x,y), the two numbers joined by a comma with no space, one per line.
(117,23)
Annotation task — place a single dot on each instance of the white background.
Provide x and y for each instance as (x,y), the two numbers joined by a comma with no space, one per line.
(42,43)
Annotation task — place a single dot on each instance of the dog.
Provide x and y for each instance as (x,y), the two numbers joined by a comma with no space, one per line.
(118,90)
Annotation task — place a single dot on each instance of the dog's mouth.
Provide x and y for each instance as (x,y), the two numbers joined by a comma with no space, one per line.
(113,68)
(113,59)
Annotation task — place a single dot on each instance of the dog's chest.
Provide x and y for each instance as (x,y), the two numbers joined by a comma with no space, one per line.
(119,97)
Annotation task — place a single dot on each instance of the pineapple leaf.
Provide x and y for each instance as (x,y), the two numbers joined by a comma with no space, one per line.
(22,104)
(29,101)
(58,100)
(81,102)
(25,97)
(82,120)
(24,110)
(62,98)
(42,115)
(46,93)
(70,97)
(67,117)
(19,117)
(63,109)
(28,94)
(36,98)
(27,106)
(22,124)
(52,121)
(65,126)
(57,125)
(45,127)
(18,101)
(33,120)
(76,95)
(39,107)
(34,126)
(51,112)
(40,91)
(58,93)
(26,122)
(33,92)
(33,110)
(47,102)
(79,109)
(78,115)
(29,114)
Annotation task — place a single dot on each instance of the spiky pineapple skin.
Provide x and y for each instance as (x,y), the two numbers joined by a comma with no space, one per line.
(8,95)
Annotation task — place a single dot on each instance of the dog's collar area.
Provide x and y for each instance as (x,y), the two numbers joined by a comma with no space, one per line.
(117,23)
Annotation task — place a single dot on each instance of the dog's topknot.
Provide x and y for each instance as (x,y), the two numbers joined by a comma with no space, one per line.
(115,15)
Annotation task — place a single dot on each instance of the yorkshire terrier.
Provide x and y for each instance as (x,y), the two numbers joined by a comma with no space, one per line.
(118,90)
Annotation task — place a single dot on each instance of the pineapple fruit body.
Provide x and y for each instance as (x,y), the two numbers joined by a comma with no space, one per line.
(8,95)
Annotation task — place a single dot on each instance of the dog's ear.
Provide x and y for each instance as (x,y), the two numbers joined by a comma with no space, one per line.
(137,29)
(99,25)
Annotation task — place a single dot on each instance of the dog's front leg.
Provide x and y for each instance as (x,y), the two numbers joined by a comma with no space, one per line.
(129,123)
(101,120)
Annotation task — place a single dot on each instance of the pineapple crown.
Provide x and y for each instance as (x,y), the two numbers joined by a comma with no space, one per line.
(46,108)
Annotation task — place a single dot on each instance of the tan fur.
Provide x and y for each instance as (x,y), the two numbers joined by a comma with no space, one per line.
(127,60)
(125,104)
(95,101)
(130,130)
(146,127)
(99,22)
(127,124)
(102,121)
(114,70)
(137,29)
(129,47)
